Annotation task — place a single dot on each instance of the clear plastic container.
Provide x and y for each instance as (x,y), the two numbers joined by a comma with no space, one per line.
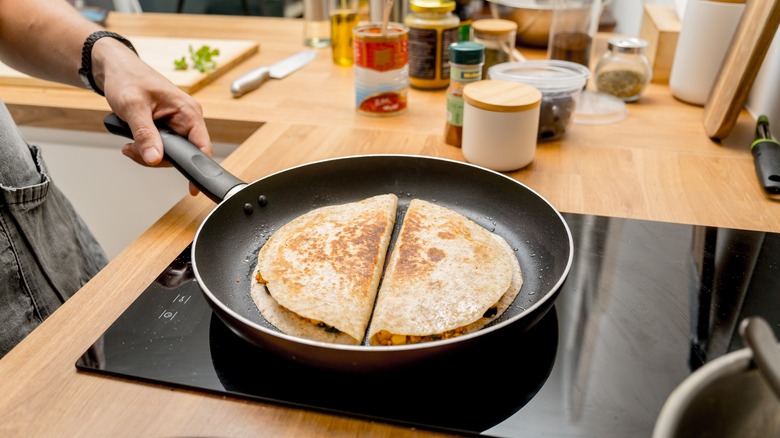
(560,82)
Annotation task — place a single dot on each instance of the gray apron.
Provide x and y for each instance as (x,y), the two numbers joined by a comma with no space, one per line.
(46,251)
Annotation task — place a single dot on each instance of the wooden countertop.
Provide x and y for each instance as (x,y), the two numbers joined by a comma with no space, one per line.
(657,164)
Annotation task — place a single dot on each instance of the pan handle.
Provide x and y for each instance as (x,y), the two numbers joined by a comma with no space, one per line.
(208,176)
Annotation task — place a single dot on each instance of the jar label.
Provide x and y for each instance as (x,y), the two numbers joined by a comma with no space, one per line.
(422,59)
(454,110)
(383,103)
(429,55)
(391,54)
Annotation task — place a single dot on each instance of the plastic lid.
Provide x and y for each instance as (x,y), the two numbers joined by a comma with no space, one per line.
(467,52)
(502,96)
(595,108)
(432,6)
(626,45)
(494,26)
(548,75)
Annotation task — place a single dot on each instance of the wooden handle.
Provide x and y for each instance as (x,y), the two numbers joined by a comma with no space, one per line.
(740,66)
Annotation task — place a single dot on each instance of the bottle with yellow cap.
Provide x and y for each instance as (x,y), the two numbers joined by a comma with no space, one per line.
(432,28)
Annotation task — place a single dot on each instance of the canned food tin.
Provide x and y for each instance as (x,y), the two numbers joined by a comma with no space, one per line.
(381,69)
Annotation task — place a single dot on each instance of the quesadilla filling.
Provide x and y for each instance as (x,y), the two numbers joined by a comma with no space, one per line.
(322,325)
(384,337)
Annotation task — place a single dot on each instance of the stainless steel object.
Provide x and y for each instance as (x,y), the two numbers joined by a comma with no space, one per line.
(256,77)
(729,396)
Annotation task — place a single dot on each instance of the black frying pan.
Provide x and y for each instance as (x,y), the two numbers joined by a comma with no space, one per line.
(224,252)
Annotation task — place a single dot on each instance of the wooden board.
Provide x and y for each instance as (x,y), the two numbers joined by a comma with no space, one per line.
(740,66)
(160,52)
(660,28)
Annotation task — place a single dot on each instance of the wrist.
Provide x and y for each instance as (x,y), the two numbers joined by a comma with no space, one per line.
(100,48)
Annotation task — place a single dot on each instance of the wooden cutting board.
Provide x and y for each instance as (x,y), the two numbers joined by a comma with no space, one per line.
(740,66)
(160,52)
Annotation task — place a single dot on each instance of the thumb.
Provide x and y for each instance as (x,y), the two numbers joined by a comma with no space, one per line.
(147,141)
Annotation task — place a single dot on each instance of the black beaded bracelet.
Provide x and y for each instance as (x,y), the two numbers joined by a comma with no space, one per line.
(85,72)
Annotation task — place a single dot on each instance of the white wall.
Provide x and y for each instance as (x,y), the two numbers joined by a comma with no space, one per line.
(764,97)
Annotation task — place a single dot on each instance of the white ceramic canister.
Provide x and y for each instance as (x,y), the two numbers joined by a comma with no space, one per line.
(705,36)
(500,124)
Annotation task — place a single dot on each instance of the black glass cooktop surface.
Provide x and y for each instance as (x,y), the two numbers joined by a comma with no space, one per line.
(645,304)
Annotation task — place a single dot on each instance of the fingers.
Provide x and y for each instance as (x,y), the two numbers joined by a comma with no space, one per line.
(147,144)
(188,122)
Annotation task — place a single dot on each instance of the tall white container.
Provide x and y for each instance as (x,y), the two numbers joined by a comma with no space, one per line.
(705,37)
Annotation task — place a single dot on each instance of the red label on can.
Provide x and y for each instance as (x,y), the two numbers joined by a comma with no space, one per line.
(390,54)
(384,103)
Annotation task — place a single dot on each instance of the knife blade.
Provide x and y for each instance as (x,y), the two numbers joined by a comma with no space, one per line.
(256,77)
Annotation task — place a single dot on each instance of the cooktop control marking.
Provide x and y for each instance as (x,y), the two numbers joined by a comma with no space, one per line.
(166,314)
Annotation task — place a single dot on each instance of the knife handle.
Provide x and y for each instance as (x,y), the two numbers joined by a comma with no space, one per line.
(766,156)
(249,81)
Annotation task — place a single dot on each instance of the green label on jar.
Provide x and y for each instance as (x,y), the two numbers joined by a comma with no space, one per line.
(455,110)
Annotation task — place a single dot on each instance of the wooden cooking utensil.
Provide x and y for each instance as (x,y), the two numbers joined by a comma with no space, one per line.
(748,47)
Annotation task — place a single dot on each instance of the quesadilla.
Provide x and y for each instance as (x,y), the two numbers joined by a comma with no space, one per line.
(317,276)
(447,276)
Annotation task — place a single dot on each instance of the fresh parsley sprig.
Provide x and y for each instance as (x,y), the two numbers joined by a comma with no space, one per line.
(202,59)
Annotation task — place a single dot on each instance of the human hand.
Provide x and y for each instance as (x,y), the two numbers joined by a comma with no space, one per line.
(139,96)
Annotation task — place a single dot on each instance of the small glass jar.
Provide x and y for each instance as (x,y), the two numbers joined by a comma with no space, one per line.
(498,37)
(624,70)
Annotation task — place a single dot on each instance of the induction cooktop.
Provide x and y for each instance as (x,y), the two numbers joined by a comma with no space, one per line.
(645,304)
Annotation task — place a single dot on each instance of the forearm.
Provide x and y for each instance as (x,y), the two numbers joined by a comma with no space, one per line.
(43,38)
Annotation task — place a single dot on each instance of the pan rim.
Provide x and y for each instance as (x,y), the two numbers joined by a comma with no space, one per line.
(553,291)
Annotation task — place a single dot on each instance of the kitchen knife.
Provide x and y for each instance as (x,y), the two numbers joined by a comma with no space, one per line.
(256,77)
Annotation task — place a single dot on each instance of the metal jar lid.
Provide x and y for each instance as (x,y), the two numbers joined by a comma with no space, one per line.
(502,96)
(626,45)
(432,6)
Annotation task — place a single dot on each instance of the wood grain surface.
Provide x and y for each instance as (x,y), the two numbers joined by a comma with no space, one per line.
(657,164)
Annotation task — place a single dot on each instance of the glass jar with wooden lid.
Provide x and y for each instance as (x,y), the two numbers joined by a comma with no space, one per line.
(498,37)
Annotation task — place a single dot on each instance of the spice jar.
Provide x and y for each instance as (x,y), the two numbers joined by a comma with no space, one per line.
(498,36)
(500,123)
(624,70)
(466,60)
(432,28)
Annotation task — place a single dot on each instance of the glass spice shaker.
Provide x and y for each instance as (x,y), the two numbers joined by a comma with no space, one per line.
(466,58)
(624,70)
(498,36)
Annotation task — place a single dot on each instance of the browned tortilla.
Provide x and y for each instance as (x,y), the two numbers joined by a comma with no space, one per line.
(444,273)
(325,266)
